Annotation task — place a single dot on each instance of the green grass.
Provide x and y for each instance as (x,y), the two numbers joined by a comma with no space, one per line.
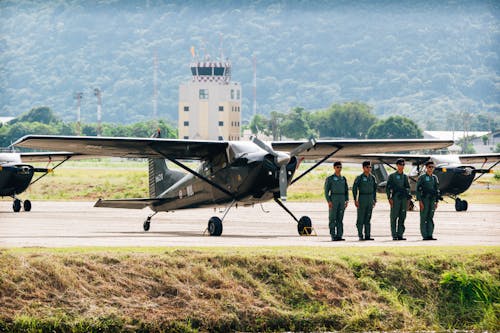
(249,289)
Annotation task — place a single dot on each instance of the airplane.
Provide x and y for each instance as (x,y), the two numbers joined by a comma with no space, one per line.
(230,172)
(16,176)
(455,172)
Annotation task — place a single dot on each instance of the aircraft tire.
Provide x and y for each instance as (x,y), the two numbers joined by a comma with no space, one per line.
(465,205)
(16,205)
(215,226)
(27,205)
(304,226)
(146,225)
(458,205)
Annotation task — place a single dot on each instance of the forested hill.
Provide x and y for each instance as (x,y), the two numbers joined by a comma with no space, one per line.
(428,60)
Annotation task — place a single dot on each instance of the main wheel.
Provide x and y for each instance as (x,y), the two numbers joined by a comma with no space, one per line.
(146,225)
(465,205)
(215,226)
(16,205)
(304,226)
(27,205)
(458,205)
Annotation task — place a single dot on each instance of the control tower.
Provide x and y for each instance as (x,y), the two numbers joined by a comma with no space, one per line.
(210,103)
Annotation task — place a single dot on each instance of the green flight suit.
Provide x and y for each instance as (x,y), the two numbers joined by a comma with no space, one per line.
(365,191)
(428,194)
(336,192)
(398,189)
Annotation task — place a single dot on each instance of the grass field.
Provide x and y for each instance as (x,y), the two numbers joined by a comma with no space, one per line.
(116,178)
(249,289)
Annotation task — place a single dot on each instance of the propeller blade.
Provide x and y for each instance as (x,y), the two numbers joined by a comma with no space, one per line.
(283,182)
(262,145)
(303,147)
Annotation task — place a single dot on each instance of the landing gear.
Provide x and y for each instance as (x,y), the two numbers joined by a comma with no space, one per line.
(17,204)
(411,206)
(214,226)
(461,205)
(304,225)
(147,223)
(27,205)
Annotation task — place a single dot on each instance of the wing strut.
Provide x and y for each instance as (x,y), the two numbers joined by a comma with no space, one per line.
(482,173)
(48,170)
(316,165)
(197,174)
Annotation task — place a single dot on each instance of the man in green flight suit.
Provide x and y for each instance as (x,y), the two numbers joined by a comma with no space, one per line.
(428,196)
(398,190)
(337,196)
(364,192)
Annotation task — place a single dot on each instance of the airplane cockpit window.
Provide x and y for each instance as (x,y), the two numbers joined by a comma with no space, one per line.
(214,164)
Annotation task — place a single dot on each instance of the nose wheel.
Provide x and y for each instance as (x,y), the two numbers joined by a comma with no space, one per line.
(461,205)
(17,204)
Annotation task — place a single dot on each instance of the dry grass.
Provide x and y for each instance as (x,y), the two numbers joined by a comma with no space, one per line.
(218,290)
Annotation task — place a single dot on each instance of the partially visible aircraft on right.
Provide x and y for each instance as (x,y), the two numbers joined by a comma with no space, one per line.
(455,172)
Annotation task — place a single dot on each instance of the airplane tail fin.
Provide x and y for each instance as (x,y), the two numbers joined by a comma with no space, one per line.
(161,177)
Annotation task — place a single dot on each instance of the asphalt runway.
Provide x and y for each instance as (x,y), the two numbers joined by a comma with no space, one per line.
(67,224)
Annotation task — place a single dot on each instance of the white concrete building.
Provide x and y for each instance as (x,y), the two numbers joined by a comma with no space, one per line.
(210,104)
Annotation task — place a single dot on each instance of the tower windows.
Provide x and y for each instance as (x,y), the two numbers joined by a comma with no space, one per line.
(203,93)
(186,108)
(186,123)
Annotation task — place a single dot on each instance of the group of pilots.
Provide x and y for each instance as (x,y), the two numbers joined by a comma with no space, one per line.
(364,192)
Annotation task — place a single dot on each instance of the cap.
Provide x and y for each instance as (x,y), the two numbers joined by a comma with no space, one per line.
(428,162)
(400,161)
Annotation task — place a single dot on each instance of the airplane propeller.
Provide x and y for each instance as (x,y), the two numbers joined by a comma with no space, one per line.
(282,159)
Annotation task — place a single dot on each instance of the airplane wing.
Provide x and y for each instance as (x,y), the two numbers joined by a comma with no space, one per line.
(188,149)
(125,147)
(422,158)
(479,158)
(358,150)
(48,156)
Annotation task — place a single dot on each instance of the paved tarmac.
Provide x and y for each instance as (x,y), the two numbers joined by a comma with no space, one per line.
(67,224)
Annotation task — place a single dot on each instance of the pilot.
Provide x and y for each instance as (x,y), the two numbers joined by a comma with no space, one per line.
(364,192)
(428,196)
(337,196)
(398,191)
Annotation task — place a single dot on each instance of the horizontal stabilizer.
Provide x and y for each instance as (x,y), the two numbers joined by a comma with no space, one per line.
(126,203)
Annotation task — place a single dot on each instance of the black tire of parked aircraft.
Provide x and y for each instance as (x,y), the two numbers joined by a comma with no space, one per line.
(16,205)
(304,226)
(215,226)
(27,205)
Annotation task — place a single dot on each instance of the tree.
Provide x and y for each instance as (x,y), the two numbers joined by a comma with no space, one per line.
(296,124)
(348,120)
(395,127)
(259,124)
(42,115)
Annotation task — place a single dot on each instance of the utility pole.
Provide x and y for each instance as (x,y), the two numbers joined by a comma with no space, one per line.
(78,96)
(254,85)
(155,91)
(97,93)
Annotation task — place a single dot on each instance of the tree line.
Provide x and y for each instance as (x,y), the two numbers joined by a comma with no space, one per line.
(347,120)
(43,121)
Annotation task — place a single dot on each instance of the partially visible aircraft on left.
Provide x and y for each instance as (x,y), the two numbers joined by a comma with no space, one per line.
(16,175)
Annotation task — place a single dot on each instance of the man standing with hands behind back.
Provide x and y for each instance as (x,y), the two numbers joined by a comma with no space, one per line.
(398,190)
(337,196)
(428,196)
(364,192)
